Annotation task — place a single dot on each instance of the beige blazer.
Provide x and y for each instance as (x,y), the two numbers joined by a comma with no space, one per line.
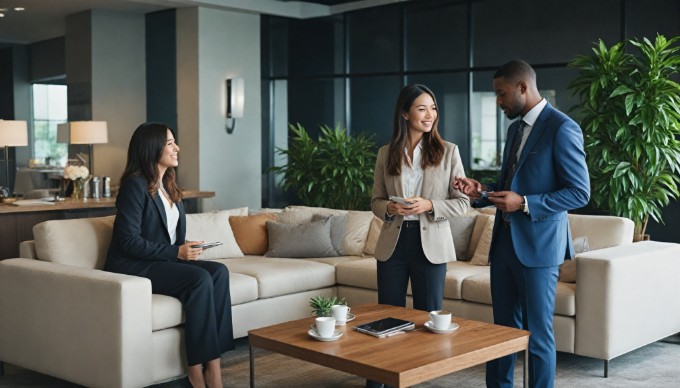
(435,230)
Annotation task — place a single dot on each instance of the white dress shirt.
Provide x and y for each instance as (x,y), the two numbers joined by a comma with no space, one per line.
(412,176)
(171,214)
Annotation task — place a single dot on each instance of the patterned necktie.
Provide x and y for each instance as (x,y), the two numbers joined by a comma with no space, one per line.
(513,157)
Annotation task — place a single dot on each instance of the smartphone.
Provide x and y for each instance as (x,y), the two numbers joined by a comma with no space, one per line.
(207,245)
(400,200)
(485,194)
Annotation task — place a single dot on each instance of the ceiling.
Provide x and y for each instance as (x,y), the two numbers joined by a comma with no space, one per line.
(45,19)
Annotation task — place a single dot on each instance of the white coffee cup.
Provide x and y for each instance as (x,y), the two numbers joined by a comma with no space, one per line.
(325,326)
(441,319)
(339,312)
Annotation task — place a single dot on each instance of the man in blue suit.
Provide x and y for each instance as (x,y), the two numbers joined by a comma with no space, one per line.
(544,175)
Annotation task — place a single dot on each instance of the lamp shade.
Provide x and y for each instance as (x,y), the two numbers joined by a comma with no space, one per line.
(13,133)
(88,132)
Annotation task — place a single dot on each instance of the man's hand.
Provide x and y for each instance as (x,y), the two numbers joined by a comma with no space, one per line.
(506,201)
(468,186)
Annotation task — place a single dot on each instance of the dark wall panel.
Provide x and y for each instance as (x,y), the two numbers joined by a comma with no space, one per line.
(372,101)
(374,40)
(538,32)
(161,68)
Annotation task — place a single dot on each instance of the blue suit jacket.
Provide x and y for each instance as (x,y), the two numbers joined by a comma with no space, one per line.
(552,173)
(140,231)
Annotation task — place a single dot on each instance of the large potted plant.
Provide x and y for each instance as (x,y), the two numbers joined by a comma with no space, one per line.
(334,171)
(630,115)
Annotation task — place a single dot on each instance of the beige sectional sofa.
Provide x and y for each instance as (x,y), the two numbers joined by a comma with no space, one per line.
(63,316)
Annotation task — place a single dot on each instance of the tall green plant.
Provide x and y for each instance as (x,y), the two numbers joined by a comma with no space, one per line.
(630,114)
(334,171)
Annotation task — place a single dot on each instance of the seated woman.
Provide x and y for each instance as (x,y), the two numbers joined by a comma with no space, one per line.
(149,241)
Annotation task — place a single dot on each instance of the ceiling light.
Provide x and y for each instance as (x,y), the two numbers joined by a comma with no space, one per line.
(2,15)
(19,8)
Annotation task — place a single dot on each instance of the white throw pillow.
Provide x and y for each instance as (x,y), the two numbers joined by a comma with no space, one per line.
(214,226)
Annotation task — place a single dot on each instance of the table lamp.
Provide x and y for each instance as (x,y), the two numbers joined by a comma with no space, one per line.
(13,133)
(84,132)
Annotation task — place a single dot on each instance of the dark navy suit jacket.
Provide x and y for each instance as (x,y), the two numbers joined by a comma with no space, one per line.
(140,232)
(552,173)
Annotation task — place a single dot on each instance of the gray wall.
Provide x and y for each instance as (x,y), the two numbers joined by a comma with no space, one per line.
(213,45)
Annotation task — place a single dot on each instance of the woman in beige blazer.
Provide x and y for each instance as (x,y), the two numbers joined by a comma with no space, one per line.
(418,165)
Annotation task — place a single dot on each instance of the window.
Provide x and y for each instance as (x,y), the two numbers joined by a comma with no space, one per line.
(49,109)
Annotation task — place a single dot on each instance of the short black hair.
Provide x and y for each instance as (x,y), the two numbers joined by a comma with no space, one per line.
(516,70)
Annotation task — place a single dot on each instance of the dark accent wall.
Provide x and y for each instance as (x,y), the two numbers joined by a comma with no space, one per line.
(161,68)
(357,62)
(6,108)
(78,49)
(47,61)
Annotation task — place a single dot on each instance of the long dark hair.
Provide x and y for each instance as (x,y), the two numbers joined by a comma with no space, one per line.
(432,143)
(144,152)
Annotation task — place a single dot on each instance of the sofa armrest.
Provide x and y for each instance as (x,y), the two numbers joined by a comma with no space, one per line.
(87,326)
(626,297)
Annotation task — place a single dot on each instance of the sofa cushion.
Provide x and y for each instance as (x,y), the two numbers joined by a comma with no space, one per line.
(477,231)
(312,239)
(356,232)
(337,230)
(477,289)
(283,276)
(456,273)
(481,255)
(372,237)
(602,231)
(214,226)
(568,268)
(167,312)
(360,273)
(250,232)
(304,214)
(81,242)
(461,230)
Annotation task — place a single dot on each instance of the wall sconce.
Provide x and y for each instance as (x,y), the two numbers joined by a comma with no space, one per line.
(13,133)
(84,132)
(235,101)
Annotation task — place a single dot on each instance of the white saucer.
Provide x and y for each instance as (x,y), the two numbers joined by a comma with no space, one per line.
(430,326)
(350,317)
(314,334)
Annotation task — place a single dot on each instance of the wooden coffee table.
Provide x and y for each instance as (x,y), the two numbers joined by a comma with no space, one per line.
(401,360)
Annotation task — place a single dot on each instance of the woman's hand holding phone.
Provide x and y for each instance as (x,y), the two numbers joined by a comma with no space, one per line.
(190,251)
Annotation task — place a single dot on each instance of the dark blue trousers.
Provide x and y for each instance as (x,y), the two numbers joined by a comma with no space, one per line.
(408,261)
(523,298)
(203,289)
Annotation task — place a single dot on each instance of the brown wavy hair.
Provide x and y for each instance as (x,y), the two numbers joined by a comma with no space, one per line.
(144,152)
(432,143)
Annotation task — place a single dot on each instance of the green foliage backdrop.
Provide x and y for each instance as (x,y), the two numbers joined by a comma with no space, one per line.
(630,114)
(335,171)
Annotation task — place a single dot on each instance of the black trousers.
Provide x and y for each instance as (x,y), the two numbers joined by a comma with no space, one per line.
(203,289)
(408,261)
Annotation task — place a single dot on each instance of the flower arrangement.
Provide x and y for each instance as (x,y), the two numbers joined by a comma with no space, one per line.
(76,172)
